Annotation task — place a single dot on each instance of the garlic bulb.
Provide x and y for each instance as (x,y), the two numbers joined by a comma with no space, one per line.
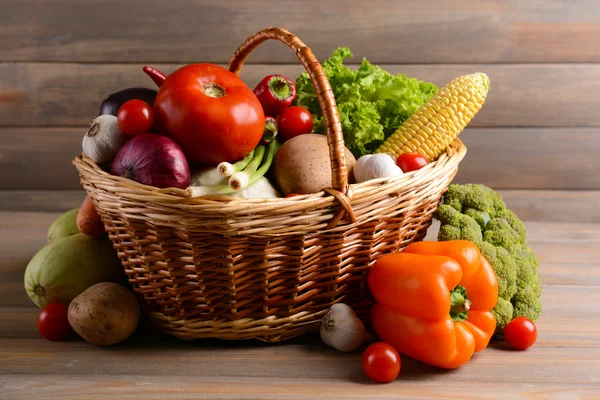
(341,328)
(103,140)
(360,168)
(374,166)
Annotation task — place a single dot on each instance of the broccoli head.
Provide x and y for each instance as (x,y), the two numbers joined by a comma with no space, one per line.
(476,197)
(458,226)
(503,312)
(478,214)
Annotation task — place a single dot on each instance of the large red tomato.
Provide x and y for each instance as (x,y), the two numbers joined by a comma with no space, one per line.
(210,112)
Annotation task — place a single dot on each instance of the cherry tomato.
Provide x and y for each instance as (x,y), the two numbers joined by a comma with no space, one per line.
(294,121)
(210,112)
(381,362)
(520,333)
(135,117)
(53,322)
(411,161)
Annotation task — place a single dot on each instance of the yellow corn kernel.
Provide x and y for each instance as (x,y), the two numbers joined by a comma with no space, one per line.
(438,122)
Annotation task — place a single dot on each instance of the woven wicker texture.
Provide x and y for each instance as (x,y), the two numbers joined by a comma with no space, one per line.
(263,268)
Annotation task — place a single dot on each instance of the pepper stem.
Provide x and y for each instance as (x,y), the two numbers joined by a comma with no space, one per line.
(280,88)
(270,131)
(460,304)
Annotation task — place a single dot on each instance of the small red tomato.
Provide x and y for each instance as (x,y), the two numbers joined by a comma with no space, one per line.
(381,362)
(292,195)
(411,161)
(275,93)
(53,322)
(294,121)
(520,333)
(135,117)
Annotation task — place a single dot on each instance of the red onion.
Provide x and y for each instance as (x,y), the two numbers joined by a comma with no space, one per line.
(153,160)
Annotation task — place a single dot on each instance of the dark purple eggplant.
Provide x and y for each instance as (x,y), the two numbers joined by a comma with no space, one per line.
(113,102)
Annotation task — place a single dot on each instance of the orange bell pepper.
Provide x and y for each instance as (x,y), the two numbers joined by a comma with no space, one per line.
(433,301)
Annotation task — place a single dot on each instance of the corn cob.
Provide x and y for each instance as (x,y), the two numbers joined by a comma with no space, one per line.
(439,121)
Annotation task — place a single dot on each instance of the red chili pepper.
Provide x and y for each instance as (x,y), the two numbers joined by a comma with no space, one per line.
(275,93)
(154,74)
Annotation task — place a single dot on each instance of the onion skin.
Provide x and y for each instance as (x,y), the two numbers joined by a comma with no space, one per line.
(153,160)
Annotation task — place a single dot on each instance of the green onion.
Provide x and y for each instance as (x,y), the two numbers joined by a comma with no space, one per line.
(228,169)
(273,147)
(240,180)
(246,178)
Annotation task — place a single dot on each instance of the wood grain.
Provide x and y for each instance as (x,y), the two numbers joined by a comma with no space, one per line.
(422,386)
(556,95)
(41,200)
(383,30)
(305,358)
(554,205)
(40,158)
(19,322)
(530,158)
(567,206)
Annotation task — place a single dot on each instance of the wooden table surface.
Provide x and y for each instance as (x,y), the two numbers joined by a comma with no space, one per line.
(564,364)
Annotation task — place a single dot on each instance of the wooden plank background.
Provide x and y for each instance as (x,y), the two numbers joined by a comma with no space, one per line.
(386,31)
(537,136)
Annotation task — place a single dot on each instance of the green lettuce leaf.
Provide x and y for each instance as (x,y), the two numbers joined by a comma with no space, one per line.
(372,103)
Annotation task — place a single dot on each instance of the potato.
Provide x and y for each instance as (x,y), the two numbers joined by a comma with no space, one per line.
(302,164)
(105,314)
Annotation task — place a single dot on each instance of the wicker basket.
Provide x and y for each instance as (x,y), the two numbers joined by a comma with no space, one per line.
(263,268)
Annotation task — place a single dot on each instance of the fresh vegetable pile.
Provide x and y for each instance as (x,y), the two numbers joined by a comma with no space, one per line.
(205,131)
(64,278)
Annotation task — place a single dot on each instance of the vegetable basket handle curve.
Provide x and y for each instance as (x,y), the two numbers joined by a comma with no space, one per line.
(335,137)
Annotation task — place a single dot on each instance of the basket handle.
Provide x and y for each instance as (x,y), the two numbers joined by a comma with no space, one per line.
(335,138)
